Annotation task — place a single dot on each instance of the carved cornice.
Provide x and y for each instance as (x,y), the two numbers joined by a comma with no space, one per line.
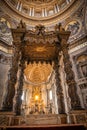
(77,42)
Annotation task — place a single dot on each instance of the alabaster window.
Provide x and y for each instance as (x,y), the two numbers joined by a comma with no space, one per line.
(51,12)
(22,97)
(83,69)
(86,101)
(50,94)
(37,14)
(82,66)
(24,10)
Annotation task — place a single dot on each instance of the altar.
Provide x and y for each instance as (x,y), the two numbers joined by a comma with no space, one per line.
(39,95)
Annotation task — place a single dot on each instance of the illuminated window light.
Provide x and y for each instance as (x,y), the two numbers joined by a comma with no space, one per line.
(50,94)
(36,97)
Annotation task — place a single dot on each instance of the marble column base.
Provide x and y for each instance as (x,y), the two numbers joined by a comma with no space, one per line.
(78,117)
(62,118)
(45,119)
(6,118)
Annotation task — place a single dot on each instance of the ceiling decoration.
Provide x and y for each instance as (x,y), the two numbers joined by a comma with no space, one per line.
(40,51)
(38,8)
(37,73)
(39,1)
(45,12)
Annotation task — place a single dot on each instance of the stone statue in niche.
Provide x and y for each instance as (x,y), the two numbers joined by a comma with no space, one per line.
(84,70)
(36,108)
(86,100)
(21,25)
(82,65)
(59,27)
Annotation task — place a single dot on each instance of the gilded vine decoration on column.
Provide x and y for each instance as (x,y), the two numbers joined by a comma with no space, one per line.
(75,102)
(59,91)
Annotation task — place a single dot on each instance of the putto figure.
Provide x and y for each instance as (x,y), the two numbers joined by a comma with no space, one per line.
(40,29)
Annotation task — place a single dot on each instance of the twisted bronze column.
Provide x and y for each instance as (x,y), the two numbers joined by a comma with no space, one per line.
(72,90)
(59,91)
(19,88)
(7,103)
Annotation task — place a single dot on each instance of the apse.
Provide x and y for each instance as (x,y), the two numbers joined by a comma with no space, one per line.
(39,90)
